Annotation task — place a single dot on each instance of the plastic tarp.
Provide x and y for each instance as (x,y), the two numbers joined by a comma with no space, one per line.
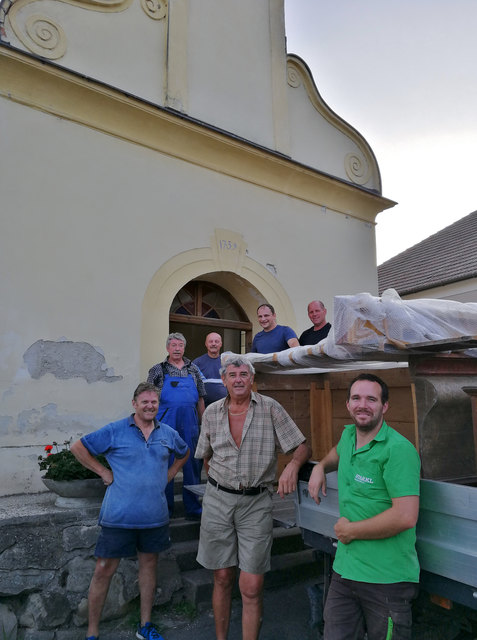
(387,322)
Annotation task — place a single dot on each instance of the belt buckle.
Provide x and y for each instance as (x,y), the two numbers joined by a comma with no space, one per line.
(251,491)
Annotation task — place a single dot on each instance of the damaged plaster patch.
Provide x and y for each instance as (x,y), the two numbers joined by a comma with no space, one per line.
(34,420)
(45,421)
(66,359)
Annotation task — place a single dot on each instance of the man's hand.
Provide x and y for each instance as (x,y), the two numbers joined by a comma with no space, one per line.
(107,477)
(317,483)
(343,530)
(400,516)
(176,466)
(289,478)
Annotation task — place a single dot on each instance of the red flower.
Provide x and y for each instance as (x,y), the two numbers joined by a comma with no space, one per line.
(48,447)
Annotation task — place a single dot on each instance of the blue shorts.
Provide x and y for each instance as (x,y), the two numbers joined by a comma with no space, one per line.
(114,542)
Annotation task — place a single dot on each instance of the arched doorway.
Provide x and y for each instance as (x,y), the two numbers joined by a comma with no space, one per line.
(201,307)
(247,282)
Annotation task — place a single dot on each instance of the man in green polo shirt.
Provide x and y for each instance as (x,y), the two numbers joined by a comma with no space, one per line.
(376,570)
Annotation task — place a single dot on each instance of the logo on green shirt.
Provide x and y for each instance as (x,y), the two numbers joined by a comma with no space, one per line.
(363,479)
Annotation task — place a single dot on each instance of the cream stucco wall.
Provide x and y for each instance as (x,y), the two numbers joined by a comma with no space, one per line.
(110,204)
(95,219)
(222,63)
(99,40)
(337,149)
(462,291)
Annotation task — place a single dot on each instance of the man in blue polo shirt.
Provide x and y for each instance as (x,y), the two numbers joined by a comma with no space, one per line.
(376,570)
(134,516)
(274,337)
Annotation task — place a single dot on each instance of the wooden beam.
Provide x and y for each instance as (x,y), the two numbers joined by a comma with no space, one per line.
(321,414)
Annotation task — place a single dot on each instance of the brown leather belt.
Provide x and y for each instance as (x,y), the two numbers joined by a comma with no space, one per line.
(251,491)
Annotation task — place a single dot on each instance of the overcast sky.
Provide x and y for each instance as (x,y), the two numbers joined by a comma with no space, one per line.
(404,74)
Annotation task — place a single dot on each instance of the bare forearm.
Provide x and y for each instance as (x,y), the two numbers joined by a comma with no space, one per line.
(83,456)
(176,466)
(301,454)
(330,461)
(200,407)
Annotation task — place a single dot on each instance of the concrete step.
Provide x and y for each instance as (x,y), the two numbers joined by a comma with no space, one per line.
(185,553)
(288,568)
(182,530)
(197,588)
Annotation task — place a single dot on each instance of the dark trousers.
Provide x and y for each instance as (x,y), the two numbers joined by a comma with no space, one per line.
(382,610)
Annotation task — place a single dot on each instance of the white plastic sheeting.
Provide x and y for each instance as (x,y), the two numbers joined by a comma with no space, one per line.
(379,323)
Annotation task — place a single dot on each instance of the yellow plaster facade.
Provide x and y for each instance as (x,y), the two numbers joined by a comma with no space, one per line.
(126,176)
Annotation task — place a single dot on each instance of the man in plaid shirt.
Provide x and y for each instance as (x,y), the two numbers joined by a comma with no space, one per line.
(241,436)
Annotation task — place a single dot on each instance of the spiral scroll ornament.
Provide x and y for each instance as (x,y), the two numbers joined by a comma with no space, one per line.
(44,37)
(155,9)
(357,169)
(293,77)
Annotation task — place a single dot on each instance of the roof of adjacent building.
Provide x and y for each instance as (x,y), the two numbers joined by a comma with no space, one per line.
(450,255)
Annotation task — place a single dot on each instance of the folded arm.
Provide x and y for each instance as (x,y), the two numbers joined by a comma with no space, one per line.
(400,516)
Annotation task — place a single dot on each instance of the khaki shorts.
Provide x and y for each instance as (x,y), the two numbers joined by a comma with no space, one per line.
(236,530)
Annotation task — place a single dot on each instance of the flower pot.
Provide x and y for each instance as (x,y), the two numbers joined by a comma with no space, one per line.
(76,493)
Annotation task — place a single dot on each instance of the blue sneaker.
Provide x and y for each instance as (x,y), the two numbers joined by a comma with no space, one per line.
(148,632)
(92,638)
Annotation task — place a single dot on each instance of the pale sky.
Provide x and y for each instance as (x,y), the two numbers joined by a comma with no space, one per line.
(404,74)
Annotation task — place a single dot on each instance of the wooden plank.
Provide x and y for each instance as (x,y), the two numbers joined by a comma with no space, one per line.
(451,364)
(446,344)
(399,377)
(407,429)
(274,381)
(321,412)
(317,403)
(472,392)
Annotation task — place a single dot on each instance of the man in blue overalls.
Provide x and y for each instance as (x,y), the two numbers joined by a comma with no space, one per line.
(181,407)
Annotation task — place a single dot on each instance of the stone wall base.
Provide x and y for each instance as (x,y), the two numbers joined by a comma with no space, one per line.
(46,564)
